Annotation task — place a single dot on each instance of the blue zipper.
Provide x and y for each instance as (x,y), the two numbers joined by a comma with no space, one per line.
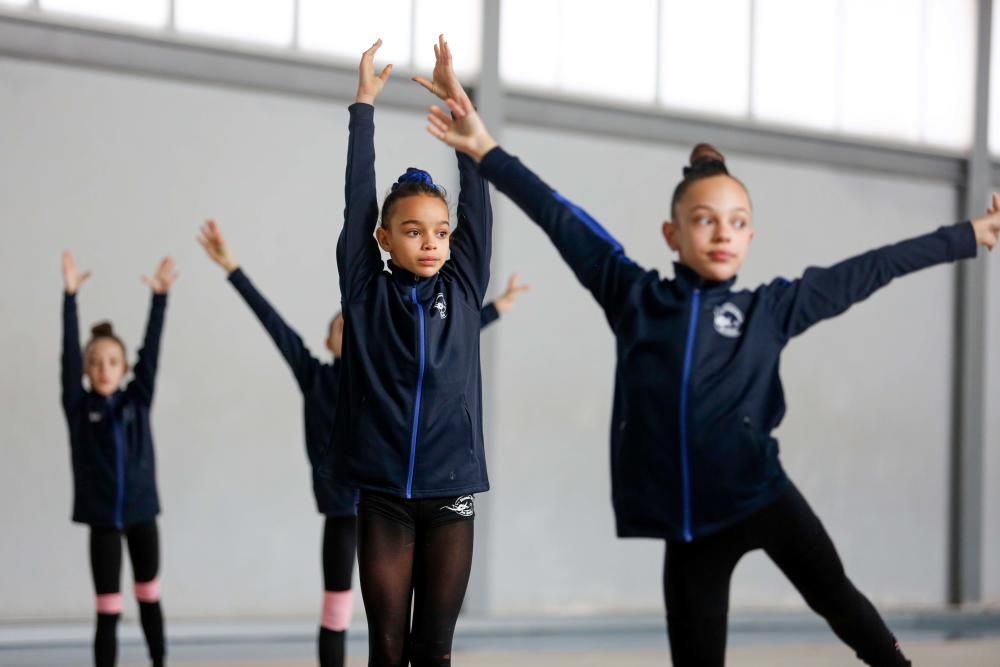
(688,355)
(116,429)
(416,407)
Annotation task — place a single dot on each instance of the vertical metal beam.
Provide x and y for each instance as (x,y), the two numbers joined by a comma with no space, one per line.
(966,540)
(489,99)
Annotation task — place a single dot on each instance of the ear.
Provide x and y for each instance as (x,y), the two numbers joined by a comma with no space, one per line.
(670,232)
(382,235)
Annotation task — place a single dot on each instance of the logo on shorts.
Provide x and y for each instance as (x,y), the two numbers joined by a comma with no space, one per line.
(95,417)
(441,305)
(728,320)
(462,506)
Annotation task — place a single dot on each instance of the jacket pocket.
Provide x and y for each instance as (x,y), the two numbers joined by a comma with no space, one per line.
(730,467)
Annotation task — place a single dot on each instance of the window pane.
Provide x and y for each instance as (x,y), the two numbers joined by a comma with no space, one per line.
(609,49)
(705,60)
(882,58)
(949,73)
(150,13)
(799,90)
(348,28)
(461,21)
(531,42)
(262,21)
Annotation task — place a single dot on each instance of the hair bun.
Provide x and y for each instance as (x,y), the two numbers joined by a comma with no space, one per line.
(706,160)
(704,153)
(414,175)
(102,330)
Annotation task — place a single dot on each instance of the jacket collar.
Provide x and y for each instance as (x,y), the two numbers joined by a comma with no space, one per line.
(111,402)
(406,281)
(689,280)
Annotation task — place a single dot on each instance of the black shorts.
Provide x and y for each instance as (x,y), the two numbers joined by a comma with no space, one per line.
(425,512)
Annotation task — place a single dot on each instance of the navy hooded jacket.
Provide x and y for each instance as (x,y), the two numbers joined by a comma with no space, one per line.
(111,441)
(320,386)
(409,421)
(697,390)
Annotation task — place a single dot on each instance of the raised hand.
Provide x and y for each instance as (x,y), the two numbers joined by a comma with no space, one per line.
(988,227)
(164,278)
(369,83)
(465,132)
(445,84)
(72,278)
(506,300)
(215,246)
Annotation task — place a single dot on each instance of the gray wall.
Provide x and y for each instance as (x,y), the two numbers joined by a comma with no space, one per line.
(122,170)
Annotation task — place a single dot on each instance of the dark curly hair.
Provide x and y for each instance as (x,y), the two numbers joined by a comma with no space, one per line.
(414,182)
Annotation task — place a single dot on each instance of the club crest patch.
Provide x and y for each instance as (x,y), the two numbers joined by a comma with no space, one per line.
(728,320)
(441,305)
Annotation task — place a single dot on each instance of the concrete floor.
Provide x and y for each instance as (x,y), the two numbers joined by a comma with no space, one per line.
(967,653)
(968,640)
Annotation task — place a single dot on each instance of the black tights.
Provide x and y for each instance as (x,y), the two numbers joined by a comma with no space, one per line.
(696,578)
(106,565)
(412,553)
(339,541)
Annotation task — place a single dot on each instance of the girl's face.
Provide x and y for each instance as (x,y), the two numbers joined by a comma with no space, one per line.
(105,366)
(712,232)
(418,236)
(335,337)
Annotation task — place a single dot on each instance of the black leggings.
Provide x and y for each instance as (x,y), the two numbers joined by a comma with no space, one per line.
(106,565)
(696,578)
(339,543)
(415,552)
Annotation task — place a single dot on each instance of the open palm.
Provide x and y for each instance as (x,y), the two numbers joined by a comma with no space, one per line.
(72,277)
(164,278)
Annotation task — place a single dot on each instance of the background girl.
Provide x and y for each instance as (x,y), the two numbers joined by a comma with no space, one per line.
(114,471)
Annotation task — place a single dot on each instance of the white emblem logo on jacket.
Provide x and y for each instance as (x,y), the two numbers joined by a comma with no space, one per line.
(440,305)
(728,320)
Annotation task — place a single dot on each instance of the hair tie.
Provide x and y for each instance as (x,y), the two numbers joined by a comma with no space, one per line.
(706,167)
(413,175)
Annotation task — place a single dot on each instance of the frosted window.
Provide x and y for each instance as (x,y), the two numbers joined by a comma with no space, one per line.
(348,28)
(705,56)
(148,13)
(268,22)
(461,21)
(882,61)
(795,62)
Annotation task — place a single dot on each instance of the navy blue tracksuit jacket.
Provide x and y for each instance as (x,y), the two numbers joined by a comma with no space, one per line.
(320,386)
(111,440)
(697,391)
(409,422)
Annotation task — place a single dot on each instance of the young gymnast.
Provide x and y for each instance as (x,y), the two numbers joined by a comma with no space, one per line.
(697,390)
(408,430)
(111,448)
(320,385)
